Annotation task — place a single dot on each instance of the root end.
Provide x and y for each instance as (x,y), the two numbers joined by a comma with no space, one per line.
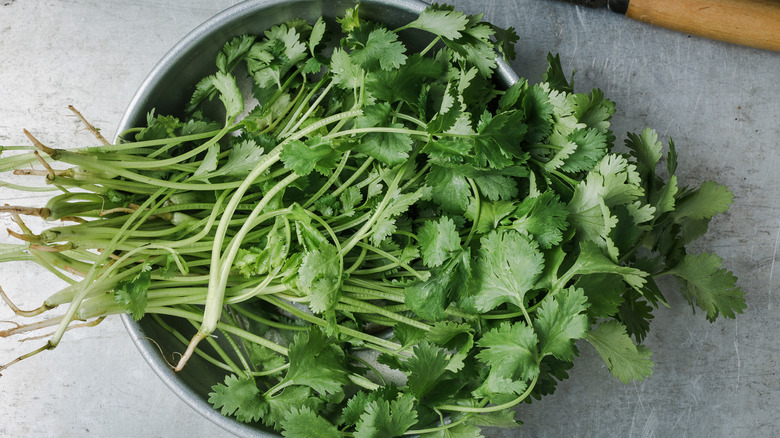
(190,350)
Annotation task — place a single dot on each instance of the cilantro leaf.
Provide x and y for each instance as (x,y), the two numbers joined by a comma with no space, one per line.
(449,190)
(316,153)
(390,148)
(242,158)
(429,298)
(229,93)
(346,74)
(239,397)
(555,76)
(624,359)
(512,353)
(379,49)
(508,265)
(305,423)
(445,23)
(591,146)
(704,203)
(543,217)
(317,32)
(317,363)
(233,52)
(427,368)
(704,282)
(559,321)
(604,293)
(490,214)
(383,418)
(320,277)
(646,149)
(133,293)
(404,83)
(438,241)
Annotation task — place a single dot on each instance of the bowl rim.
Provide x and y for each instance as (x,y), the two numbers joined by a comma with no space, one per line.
(139,102)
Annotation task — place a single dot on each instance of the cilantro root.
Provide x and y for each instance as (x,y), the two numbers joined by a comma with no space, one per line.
(385,242)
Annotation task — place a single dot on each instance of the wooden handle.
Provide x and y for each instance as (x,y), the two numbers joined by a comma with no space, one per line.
(754,23)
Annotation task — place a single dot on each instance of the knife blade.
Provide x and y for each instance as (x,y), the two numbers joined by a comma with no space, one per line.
(752,23)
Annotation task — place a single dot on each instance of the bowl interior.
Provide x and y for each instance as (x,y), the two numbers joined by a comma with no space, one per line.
(167,89)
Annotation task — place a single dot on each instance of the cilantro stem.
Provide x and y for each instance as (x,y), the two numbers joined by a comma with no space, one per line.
(376,129)
(180,313)
(370,308)
(366,163)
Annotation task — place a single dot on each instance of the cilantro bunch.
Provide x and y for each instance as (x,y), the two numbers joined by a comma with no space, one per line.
(386,241)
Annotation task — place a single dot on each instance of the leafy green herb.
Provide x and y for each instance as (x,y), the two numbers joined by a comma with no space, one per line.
(381,208)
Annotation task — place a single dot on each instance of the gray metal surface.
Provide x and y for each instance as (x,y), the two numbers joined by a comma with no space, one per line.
(720,103)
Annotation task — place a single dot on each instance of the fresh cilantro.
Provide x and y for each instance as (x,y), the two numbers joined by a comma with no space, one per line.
(385,418)
(508,266)
(239,397)
(438,241)
(405,205)
(305,423)
(132,293)
(624,359)
(705,283)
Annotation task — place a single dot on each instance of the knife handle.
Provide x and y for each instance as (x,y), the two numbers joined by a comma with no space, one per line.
(753,23)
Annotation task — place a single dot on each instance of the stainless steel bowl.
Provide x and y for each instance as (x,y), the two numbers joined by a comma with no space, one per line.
(168,88)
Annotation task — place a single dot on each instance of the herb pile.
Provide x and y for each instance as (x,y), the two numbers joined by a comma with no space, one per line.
(387,241)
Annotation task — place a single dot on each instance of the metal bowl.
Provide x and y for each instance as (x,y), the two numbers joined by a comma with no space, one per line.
(167,89)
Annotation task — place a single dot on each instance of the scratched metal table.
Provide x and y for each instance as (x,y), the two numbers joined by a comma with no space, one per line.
(720,103)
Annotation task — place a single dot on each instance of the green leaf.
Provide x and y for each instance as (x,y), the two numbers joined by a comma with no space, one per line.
(233,52)
(449,190)
(543,217)
(663,200)
(379,49)
(317,363)
(704,203)
(604,293)
(429,298)
(293,397)
(591,147)
(243,157)
(391,148)
(594,111)
(438,241)
(445,23)
(305,423)
(426,369)
(208,165)
(555,76)
(314,154)
(625,360)
(496,187)
(346,74)
(511,351)
(384,418)
(320,277)
(317,32)
(559,321)
(593,261)
(490,214)
(133,293)
(229,93)
(646,149)
(499,137)
(705,283)
(508,265)
(238,397)
(404,83)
